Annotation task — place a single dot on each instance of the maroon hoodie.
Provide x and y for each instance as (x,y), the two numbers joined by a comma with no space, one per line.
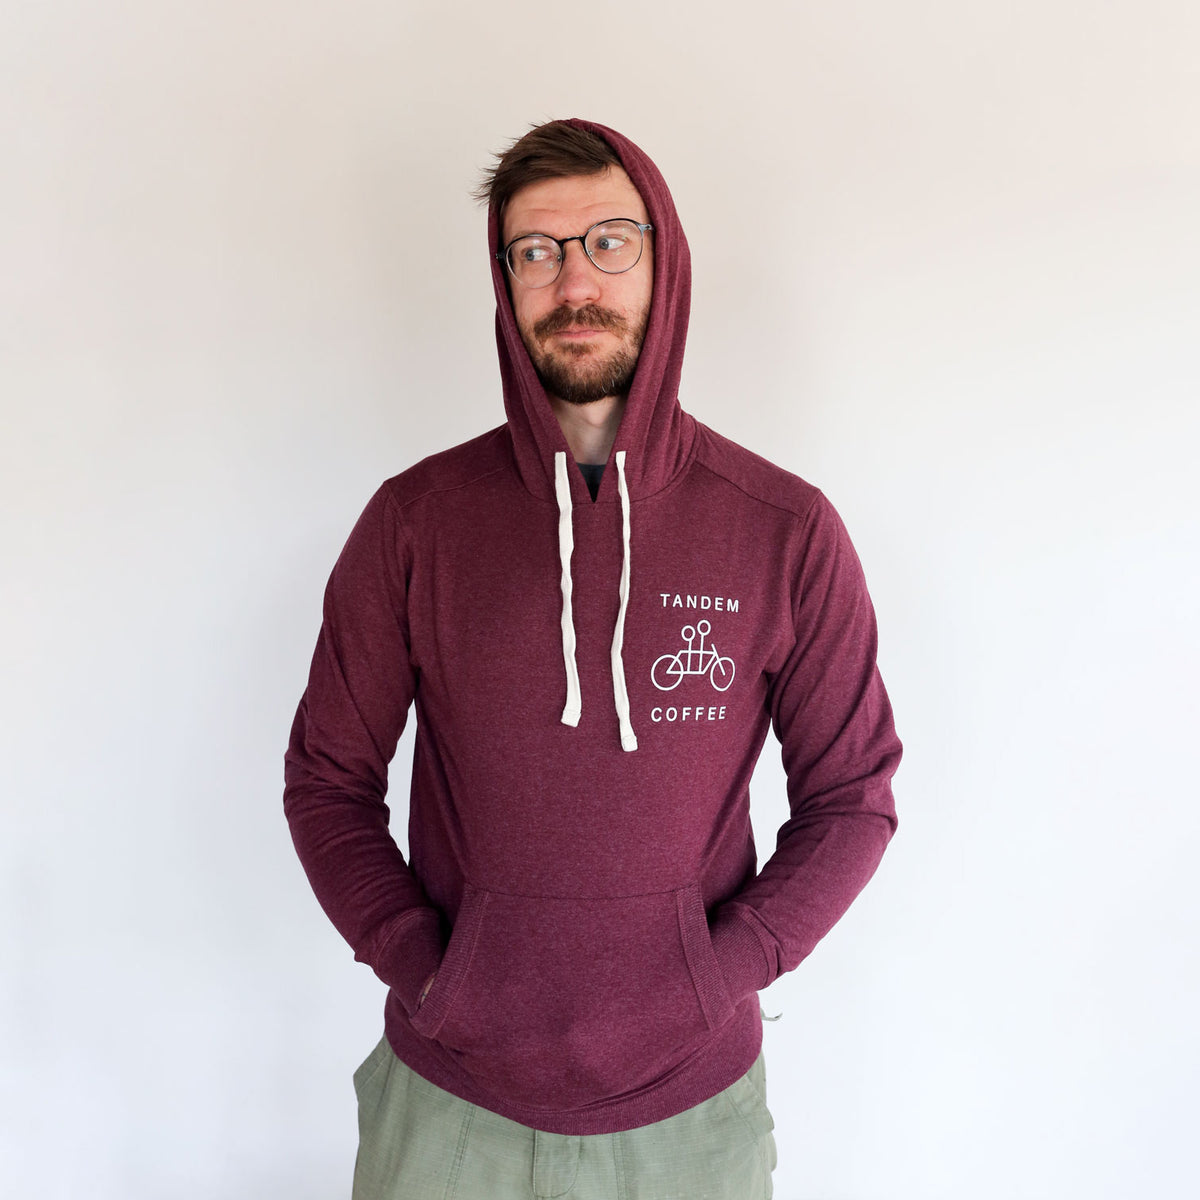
(593,682)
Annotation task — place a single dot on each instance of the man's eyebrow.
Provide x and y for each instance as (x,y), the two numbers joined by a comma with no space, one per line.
(527,232)
(600,221)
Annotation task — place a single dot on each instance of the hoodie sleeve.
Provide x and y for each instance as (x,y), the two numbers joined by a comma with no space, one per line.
(834,722)
(348,723)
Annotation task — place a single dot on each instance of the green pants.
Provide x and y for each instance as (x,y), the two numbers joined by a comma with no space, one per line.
(418,1142)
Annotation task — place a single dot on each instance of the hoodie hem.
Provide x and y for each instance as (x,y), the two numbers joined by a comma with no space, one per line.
(703,1074)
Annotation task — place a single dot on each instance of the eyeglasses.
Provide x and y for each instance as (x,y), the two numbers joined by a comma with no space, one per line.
(614,247)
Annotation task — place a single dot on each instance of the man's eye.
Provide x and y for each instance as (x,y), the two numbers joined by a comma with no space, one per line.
(535,253)
(610,243)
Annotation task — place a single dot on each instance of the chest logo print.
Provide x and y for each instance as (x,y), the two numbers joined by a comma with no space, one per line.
(669,670)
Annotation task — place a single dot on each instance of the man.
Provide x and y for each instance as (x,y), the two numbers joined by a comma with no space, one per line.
(597,609)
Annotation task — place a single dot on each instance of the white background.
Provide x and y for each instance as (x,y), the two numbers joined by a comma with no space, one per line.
(946,265)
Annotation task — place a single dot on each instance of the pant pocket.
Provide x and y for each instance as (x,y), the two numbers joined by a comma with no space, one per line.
(372,1067)
(748,1096)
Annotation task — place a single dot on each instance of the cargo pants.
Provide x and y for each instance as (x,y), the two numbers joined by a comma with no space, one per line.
(418,1142)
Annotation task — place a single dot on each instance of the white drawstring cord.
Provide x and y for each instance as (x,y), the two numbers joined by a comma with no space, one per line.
(620,694)
(573,708)
(566,545)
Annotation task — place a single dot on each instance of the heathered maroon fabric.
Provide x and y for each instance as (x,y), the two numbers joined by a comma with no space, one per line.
(594,915)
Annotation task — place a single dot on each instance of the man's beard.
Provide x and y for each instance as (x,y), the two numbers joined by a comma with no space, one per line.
(577,374)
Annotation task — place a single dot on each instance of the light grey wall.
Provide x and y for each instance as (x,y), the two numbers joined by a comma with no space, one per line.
(946,267)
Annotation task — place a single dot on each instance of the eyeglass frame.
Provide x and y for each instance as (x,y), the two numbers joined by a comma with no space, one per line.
(581,238)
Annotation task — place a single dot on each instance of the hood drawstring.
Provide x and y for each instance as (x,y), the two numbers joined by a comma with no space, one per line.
(566,546)
(621,696)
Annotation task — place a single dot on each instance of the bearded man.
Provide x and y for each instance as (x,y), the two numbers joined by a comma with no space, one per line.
(598,611)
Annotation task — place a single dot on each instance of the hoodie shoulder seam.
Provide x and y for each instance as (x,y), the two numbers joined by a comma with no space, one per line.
(438,489)
(432,487)
(799,513)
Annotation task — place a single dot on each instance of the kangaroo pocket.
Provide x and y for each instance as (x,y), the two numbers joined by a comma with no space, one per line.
(564,1002)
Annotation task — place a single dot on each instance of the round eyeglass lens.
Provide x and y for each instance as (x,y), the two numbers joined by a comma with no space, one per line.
(534,260)
(614,246)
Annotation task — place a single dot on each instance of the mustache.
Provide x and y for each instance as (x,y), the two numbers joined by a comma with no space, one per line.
(591,316)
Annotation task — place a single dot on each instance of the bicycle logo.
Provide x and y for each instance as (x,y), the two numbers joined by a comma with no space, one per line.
(669,669)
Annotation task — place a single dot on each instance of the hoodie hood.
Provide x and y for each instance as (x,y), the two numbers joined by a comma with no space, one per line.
(655,434)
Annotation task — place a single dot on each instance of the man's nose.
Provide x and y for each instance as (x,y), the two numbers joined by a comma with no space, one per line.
(578,281)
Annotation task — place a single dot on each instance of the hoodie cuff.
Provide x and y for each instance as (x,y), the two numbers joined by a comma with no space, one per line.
(740,955)
(411,955)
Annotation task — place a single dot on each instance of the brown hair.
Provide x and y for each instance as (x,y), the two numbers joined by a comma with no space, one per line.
(551,151)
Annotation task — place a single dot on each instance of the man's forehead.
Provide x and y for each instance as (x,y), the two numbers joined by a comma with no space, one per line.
(557,206)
